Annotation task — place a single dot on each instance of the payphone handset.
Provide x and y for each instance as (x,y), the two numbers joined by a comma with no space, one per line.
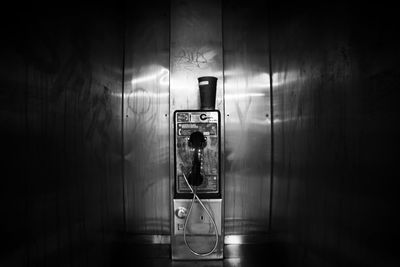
(197,152)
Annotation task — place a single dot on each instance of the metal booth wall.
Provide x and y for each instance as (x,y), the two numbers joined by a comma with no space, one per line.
(167,48)
(247,118)
(86,104)
(61,187)
(87,94)
(336,80)
(146,119)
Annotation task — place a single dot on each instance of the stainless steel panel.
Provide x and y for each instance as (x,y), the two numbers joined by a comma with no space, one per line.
(196,50)
(63,134)
(247,122)
(200,232)
(335,101)
(199,222)
(146,111)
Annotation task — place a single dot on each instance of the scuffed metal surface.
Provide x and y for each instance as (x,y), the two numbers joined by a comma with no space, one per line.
(196,50)
(247,122)
(146,117)
(61,133)
(333,187)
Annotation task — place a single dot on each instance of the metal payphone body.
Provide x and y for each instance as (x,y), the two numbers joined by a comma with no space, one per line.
(199,229)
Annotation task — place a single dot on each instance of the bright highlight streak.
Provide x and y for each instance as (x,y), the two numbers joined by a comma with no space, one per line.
(243,95)
(233,239)
(162,76)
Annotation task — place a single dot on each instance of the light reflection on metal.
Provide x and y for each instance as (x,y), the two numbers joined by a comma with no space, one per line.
(195,51)
(286,120)
(247,122)
(285,78)
(233,261)
(233,239)
(146,128)
(254,122)
(135,90)
(244,95)
(188,59)
(161,76)
(149,94)
(260,80)
(184,84)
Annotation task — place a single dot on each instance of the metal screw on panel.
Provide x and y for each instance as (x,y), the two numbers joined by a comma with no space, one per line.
(181,212)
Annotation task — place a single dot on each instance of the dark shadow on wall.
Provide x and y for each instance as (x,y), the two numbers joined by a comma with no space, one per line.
(61,187)
(336,88)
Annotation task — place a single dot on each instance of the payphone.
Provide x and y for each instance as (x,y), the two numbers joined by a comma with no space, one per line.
(197,199)
(197,231)
(197,152)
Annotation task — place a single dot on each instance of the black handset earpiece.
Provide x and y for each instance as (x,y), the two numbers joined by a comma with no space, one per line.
(197,141)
